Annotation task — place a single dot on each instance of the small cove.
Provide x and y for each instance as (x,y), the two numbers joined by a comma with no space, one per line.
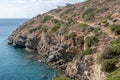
(15,63)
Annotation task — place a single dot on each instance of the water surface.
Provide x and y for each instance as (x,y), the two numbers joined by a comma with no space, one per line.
(15,63)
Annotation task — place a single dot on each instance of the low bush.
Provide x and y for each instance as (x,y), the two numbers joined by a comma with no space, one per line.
(93,40)
(44,28)
(114,75)
(108,53)
(109,65)
(55,28)
(46,18)
(72,35)
(83,25)
(80,39)
(34,29)
(115,28)
(116,50)
(106,23)
(117,41)
(88,14)
(109,58)
(65,29)
(83,53)
(111,52)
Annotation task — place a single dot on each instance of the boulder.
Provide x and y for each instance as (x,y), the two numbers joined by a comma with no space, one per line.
(52,58)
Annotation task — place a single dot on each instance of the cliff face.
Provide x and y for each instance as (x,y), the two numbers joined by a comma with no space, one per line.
(73,38)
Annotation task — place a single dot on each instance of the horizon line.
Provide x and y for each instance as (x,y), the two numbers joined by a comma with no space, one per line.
(16,18)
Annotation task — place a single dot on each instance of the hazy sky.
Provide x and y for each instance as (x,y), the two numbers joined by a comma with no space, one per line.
(29,8)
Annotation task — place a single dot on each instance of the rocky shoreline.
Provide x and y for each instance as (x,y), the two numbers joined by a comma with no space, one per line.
(71,43)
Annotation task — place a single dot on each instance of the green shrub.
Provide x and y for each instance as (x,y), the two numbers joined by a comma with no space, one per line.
(90,29)
(109,16)
(111,52)
(115,28)
(88,14)
(66,37)
(46,18)
(106,23)
(44,28)
(56,21)
(80,39)
(108,53)
(35,29)
(71,21)
(116,50)
(65,29)
(114,75)
(109,65)
(83,25)
(83,53)
(55,28)
(93,40)
(97,32)
(88,11)
(68,11)
(72,35)
(102,10)
(117,41)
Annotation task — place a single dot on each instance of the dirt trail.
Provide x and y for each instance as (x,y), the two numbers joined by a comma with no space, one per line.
(104,29)
(55,17)
(97,72)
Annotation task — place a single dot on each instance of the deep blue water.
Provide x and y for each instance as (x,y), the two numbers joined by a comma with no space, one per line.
(15,63)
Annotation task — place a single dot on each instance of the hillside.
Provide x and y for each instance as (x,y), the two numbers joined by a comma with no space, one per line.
(83,39)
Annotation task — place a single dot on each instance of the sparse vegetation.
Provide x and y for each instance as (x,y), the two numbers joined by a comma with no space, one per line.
(88,14)
(44,28)
(83,25)
(109,65)
(109,58)
(46,18)
(83,53)
(34,29)
(71,21)
(80,39)
(102,10)
(111,52)
(70,36)
(93,40)
(106,23)
(64,29)
(117,41)
(68,11)
(114,75)
(79,32)
(56,27)
(115,28)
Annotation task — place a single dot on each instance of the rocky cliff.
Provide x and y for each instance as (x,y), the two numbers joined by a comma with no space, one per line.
(81,39)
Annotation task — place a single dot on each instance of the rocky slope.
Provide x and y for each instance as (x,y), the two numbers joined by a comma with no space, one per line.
(81,39)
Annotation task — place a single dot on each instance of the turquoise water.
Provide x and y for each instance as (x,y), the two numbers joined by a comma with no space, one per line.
(15,63)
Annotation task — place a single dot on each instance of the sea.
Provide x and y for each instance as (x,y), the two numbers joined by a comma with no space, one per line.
(15,63)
